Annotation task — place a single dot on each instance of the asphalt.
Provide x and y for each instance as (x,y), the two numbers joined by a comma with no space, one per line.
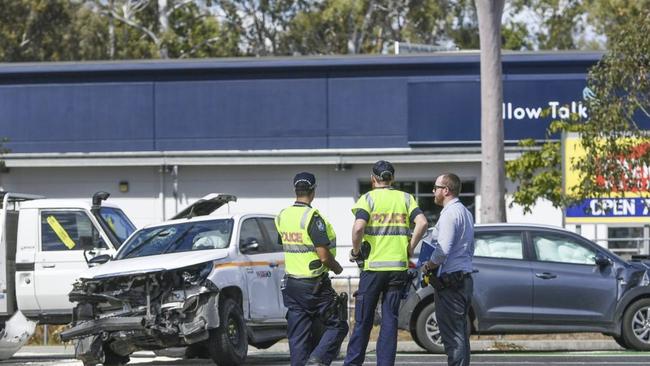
(402,347)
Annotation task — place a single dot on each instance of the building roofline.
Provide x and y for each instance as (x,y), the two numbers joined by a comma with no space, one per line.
(281,63)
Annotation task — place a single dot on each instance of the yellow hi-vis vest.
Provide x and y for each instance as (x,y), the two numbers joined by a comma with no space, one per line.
(388,230)
(299,251)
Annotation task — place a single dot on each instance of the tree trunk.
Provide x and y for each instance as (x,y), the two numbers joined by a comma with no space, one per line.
(163,23)
(111,32)
(492,162)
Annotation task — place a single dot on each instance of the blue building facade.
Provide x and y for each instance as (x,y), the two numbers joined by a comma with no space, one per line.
(264,104)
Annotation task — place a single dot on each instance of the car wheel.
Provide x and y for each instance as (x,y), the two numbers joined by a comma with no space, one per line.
(636,325)
(113,359)
(427,331)
(620,341)
(228,344)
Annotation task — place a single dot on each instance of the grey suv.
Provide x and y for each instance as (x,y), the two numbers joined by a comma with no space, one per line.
(542,279)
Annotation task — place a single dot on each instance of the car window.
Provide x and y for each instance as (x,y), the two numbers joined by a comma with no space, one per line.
(498,245)
(563,249)
(63,230)
(179,237)
(250,231)
(269,224)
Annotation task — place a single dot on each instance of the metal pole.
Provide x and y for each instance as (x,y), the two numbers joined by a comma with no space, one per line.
(45,331)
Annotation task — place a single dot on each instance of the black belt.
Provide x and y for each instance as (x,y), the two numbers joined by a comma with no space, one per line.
(308,279)
(457,273)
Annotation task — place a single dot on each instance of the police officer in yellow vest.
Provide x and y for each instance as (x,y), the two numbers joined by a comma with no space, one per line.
(383,220)
(309,246)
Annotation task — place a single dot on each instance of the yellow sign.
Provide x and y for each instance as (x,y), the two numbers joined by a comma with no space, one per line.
(628,203)
(60,232)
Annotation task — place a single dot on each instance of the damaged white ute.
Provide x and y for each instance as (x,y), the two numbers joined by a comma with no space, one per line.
(208,283)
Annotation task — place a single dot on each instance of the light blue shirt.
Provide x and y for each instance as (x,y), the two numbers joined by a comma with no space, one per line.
(455,247)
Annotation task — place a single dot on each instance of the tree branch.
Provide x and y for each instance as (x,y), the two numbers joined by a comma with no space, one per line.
(135,25)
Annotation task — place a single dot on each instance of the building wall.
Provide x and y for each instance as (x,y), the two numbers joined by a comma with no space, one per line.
(265,189)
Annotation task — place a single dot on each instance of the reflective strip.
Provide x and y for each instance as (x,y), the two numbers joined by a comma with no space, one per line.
(387,230)
(303,221)
(387,264)
(407,198)
(298,248)
(277,219)
(371,203)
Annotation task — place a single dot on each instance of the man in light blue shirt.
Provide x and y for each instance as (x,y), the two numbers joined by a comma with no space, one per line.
(452,259)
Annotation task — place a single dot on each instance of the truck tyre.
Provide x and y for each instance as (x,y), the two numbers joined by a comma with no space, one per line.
(228,344)
(636,325)
(426,330)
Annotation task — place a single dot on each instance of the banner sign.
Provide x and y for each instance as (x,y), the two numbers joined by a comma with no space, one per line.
(449,111)
(629,203)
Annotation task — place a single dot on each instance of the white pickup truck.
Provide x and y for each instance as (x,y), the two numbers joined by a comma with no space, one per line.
(44,245)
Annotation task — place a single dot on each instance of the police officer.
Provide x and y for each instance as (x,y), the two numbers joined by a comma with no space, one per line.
(309,246)
(383,218)
(452,260)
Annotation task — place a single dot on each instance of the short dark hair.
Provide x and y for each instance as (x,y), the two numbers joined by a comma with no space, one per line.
(303,189)
(452,182)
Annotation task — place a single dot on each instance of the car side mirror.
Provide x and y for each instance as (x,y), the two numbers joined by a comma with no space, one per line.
(86,242)
(100,259)
(602,261)
(250,245)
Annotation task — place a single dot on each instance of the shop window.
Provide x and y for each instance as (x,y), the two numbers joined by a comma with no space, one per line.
(625,240)
(423,193)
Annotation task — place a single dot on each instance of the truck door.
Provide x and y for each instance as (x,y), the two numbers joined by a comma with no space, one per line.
(60,257)
(258,271)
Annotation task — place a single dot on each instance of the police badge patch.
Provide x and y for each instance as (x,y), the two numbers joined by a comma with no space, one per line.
(320,225)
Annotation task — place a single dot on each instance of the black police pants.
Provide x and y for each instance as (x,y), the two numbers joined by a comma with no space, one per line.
(452,307)
(305,307)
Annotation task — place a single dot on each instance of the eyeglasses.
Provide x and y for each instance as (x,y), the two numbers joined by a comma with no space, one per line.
(435,187)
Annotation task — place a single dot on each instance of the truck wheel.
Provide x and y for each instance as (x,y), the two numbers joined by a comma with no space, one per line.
(636,325)
(228,344)
(426,330)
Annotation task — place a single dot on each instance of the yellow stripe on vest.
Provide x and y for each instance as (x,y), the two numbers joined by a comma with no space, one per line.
(60,232)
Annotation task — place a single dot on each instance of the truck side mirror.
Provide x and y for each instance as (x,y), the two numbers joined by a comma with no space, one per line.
(250,245)
(86,242)
(100,259)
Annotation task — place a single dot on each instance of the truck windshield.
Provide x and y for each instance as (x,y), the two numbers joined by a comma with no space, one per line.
(188,236)
(118,222)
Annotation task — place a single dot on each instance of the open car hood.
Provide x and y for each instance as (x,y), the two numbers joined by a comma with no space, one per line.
(153,263)
(205,205)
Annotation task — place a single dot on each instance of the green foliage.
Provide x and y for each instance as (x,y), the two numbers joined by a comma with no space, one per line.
(61,30)
(622,95)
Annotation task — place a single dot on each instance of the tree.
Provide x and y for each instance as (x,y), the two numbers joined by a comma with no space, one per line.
(621,88)
(37,30)
(163,29)
(492,162)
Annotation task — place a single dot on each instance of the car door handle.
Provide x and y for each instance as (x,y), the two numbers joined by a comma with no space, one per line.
(49,265)
(545,275)
(249,269)
(274,264)
(475,271)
